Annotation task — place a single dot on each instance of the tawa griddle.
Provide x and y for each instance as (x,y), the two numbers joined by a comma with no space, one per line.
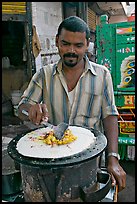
(93,151)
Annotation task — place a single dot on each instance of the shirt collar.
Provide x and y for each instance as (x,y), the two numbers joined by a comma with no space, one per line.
(88,66)
(58,67)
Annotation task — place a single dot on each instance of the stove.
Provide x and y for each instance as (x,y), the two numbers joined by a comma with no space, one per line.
(19,196)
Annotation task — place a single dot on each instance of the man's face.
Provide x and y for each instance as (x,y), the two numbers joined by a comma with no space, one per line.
(72,47)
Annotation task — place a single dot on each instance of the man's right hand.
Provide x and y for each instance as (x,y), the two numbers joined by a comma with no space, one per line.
(36,113)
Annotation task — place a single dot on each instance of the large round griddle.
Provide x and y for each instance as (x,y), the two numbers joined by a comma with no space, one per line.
(93,151)
(29,146)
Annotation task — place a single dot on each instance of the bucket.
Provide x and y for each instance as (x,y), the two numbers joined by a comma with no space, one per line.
(16,97)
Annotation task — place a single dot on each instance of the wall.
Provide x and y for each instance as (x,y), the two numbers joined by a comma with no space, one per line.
(117,19)
(46,17)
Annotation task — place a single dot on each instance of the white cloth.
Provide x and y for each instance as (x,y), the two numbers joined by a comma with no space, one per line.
(71,95)
(91,48)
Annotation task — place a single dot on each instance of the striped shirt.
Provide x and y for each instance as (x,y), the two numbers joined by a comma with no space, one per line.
(93,99)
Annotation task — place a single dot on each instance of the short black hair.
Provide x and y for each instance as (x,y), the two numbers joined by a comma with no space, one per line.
(74,24)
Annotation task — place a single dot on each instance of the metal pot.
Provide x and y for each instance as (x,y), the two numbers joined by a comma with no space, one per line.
(63,179)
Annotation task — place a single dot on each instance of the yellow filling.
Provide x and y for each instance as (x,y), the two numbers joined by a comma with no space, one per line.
(50,139)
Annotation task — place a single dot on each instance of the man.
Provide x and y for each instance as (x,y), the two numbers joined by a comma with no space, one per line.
(76,91)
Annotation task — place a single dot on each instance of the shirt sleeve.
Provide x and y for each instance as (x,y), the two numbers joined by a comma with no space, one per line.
(33,93)
(108,104)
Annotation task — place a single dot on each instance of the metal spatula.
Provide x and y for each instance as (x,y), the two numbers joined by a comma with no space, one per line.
(58,130)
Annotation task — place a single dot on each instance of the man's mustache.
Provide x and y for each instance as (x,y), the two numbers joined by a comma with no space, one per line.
(70,55)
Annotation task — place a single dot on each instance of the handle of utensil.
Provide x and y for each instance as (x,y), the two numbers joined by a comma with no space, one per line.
(25,112)
(99,194)
(47,124)
(115,194)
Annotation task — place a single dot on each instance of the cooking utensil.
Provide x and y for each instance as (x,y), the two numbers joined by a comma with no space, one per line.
(92,151)
(64,179)
(58,130)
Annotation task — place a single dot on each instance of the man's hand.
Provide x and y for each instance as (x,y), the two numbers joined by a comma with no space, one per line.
(118,175)
(38,113)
